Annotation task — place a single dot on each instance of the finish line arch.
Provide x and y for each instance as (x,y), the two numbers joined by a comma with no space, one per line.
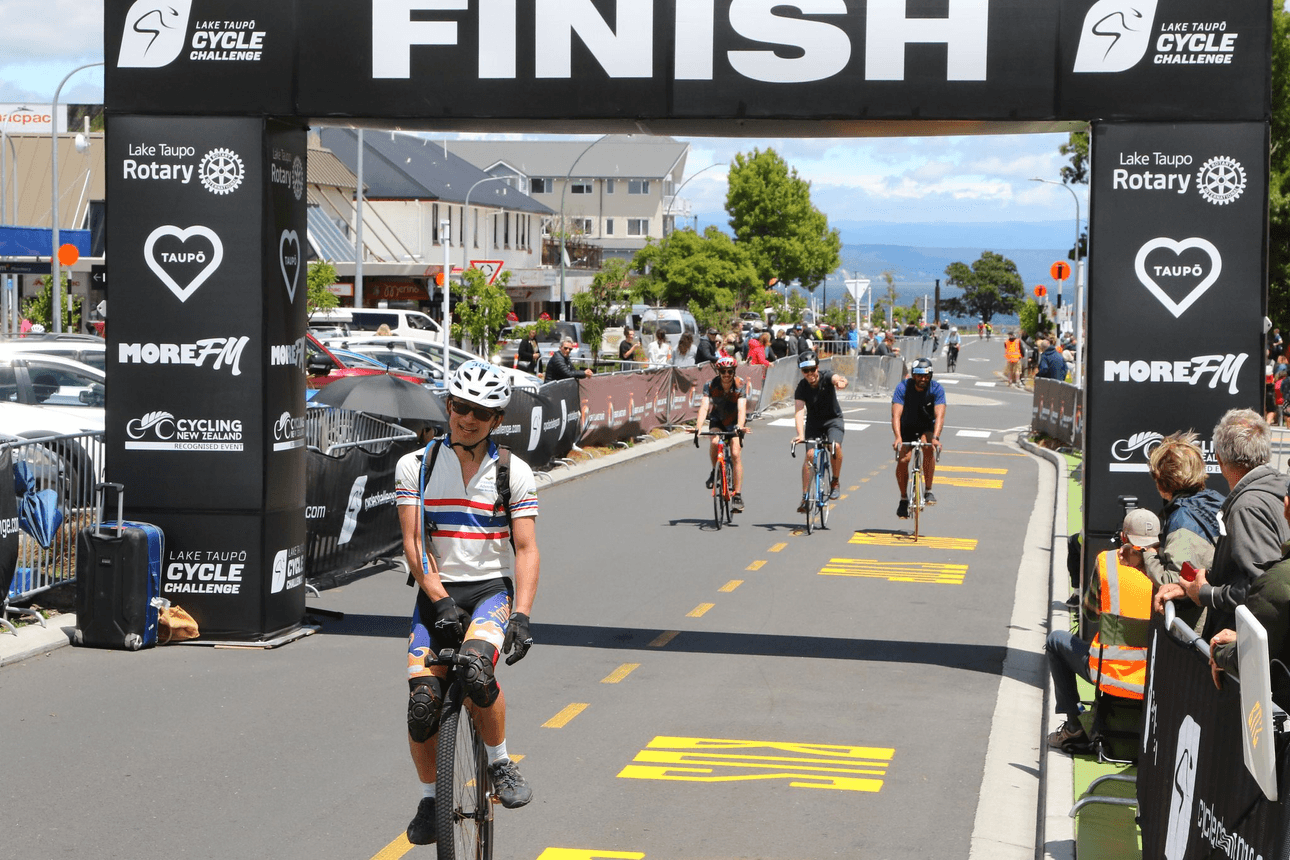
(207,104)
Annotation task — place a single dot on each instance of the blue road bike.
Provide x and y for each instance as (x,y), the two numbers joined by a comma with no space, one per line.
(820,482)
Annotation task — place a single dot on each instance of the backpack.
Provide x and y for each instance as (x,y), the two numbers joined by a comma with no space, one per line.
(503,503)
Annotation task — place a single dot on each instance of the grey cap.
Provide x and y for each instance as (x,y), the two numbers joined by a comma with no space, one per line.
(1142,528)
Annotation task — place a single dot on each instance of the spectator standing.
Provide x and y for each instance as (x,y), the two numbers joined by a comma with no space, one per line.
(731,347)
(888,345)
(766,347)
(660,351)
(707,351)
(528,356)
(1252,525)
(853,338)
(1012,358)
(779,344)
(627,345)
(559,366)
(684,355)
(1051,363)
(757,351)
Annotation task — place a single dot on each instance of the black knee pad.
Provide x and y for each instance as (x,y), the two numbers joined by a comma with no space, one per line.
(480,683)
(424,705)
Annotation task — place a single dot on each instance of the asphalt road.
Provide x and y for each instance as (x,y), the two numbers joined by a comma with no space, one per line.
(753,692)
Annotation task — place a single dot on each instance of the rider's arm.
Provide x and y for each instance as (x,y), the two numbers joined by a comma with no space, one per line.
(743,410)
(940,423)
(799,419)
(704,405)
(427,581)
(527,562)
(897,409)
(839,381)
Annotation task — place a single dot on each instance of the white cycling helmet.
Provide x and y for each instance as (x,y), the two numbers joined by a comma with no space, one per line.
(480,383)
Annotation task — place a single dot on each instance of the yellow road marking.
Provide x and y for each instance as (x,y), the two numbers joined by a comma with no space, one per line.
(777,547)
(584,854)
(618,674)
(731,585)
(982,453)
(663,638)
(756,565)
(395,849)
(843,496)
(889,539)
(975,483)
(913,571)
(853,489)
(980,470)
(697,612)
(562,719)
(844,768)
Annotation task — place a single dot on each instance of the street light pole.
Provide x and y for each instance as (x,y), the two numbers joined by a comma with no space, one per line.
(55,272)
(466,214)
(563,228)
(677,193)
(1078,326)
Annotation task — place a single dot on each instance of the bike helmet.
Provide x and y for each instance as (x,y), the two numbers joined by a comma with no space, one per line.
(726,361)
(807,361)
(480,383)
(921,367)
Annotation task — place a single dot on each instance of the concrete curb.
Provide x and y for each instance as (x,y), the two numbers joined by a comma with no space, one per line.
(33,640)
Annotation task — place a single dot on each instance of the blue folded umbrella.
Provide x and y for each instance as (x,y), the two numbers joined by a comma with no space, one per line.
(39,514)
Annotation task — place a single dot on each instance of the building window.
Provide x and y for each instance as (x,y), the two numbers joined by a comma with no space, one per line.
(506,230)
(496,232)
(609,186)
(475,214)
(540,185)
(580,186)
(638,186)
(637,226)
(609,226)
(434,223)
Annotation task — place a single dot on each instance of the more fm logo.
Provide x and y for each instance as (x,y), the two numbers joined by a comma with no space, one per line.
(1210,370)
(223,353)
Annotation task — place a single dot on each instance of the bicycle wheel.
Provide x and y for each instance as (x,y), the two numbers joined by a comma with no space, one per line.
(463,808)
(718,490)
(730,487)
(812,493)
(824,484)
(916,502)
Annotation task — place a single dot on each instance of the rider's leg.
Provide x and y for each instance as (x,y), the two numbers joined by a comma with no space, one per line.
(929,465)
(837,462)
(737,455)
(902,470)
(806,470)
(712,451)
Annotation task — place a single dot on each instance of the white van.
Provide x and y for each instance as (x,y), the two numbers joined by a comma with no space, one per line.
(673,321)
(353,321)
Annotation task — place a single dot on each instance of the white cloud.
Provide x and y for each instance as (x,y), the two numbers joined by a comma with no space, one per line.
(39,31)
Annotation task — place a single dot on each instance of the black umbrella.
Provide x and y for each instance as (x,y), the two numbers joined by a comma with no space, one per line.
(382,394)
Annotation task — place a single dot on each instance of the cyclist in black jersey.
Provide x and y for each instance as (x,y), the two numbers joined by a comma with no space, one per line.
(817,414)
(725,402)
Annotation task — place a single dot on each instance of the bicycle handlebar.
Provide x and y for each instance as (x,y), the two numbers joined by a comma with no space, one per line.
(723,433)
(817,441)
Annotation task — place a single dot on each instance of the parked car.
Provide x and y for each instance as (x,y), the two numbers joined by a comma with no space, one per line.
(673,321)
(548,343)
(393,358)
(69,466)
(433,351)
(613,335)
(85,348)
(401,322)
(53,382)
(322,366)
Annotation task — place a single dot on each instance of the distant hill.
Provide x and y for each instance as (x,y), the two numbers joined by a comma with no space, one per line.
(922,266)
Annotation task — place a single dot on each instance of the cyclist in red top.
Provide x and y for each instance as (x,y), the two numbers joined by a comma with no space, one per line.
(725,397)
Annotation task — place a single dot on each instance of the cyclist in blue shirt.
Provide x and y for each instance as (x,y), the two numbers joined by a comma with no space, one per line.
(917,413)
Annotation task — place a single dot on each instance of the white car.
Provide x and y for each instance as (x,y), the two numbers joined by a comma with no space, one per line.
(372,346)
(84,348)
(53,383)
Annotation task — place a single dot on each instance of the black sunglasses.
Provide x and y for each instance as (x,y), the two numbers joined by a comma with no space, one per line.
(481,414)
(726,371)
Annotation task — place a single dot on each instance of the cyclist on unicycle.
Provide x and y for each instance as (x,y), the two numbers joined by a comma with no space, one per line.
(725,401)
(917,414)
(818,415)
(476,571)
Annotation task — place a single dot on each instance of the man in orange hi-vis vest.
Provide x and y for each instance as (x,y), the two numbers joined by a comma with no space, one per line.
(1012,355)
(1123,598)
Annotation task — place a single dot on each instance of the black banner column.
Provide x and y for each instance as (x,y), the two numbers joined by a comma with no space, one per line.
(205,411)
(1177,290)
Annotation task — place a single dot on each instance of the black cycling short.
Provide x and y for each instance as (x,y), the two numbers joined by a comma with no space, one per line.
(914,434)
(833,431)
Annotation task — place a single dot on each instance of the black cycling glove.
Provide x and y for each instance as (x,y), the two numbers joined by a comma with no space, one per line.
(517,637)
(449,618)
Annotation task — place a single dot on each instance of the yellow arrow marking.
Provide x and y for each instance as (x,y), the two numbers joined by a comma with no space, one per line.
(844,768)
(562,719)
(938,574)
(924,541)
(980,470)
(697,612)
(731,585)
(618,674)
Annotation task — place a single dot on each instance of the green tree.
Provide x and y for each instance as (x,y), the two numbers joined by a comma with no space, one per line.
(772,216)
(40,307)
(482,308)
(1279,174)
(596,307)
(881,315)
(704,272)
(1034,322)
(991,286)
(322,274)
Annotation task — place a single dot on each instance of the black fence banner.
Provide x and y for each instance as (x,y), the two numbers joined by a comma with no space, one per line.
(1057,411)
(541,426)
(1177,288)
(350,514)
(8,523)
(1195,796)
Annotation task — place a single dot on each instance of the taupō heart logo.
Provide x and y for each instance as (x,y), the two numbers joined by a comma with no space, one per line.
(289,261)
(181,261)
(1177,269)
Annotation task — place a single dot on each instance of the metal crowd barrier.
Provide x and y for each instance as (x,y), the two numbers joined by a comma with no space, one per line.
(332,431)
(69,465)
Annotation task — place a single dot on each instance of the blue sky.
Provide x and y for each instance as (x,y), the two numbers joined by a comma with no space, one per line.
(955,181)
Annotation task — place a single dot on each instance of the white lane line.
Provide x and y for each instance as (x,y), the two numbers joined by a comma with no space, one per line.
(850,425)
(944,381)
(984,385)
(974,434)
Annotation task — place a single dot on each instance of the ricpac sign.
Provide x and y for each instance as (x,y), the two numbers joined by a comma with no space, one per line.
(32,119)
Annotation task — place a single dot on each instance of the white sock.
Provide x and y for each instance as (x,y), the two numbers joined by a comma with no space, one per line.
(497,753)
(427,789)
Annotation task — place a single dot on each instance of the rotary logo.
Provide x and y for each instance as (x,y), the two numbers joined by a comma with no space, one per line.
(221,171)
(1220,180)
(297,177)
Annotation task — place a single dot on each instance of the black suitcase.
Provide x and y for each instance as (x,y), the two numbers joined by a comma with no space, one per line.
(118,573)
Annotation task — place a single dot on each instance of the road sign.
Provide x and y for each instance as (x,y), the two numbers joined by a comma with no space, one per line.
(490,268)
(68,254)
(1061,270)
(98,277)
(1041,291)
(24,268)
